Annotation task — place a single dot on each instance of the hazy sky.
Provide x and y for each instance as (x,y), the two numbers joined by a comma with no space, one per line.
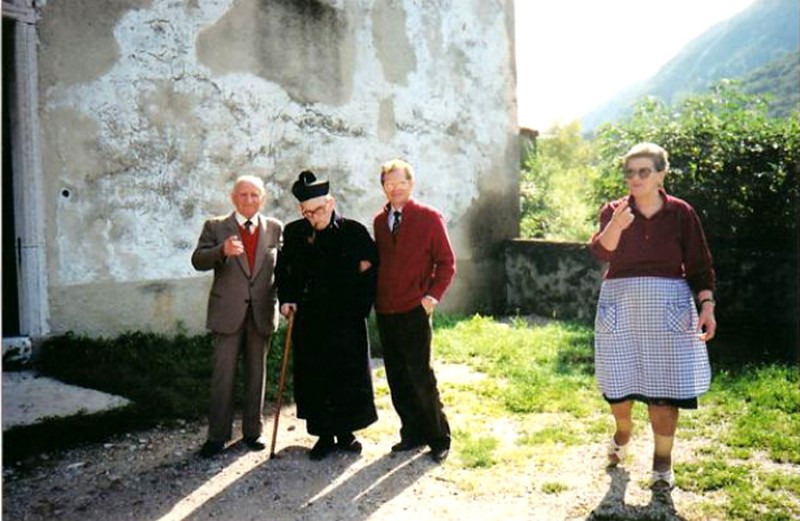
(573,55)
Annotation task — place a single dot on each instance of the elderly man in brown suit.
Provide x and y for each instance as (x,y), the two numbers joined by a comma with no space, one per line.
(241,248)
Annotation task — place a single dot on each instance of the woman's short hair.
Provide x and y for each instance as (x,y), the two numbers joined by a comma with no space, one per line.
(397,164)
(651,151)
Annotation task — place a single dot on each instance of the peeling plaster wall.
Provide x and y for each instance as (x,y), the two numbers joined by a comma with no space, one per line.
(150,108)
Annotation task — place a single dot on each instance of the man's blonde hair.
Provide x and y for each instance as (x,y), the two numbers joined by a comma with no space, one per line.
(397,164)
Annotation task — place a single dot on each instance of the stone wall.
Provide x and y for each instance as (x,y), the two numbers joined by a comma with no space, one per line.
(757,291)
(150,108)
(551,279)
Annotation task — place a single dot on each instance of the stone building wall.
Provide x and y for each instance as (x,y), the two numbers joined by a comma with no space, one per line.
(150,108)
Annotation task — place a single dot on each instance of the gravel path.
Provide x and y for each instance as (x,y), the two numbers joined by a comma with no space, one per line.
(156,475)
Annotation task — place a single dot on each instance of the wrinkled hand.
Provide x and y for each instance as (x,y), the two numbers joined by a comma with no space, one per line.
(623,216)
(288,309)
(429,304)
(706,324)
(232,246)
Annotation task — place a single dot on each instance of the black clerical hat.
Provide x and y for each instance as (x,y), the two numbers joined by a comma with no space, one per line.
(307,187)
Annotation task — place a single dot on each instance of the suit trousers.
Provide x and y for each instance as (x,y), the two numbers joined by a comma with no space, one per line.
(406,340)
(254,348)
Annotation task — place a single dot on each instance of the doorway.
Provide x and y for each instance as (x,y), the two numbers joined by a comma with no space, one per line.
(10,283)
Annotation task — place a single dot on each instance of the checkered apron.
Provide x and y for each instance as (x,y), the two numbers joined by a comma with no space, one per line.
(646,340)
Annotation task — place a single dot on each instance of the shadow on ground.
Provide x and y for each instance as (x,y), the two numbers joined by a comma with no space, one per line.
(613,507)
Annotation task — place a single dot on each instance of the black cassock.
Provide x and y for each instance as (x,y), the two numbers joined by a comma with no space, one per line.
(319,271)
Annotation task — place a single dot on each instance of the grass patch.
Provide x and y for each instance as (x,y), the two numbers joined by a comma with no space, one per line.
(762,408)
(555,434)
(554,487)
(476,452)
(751,494)
(710,475)
(545,369)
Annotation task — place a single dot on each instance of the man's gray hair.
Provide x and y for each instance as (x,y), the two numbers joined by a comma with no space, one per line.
(252,179)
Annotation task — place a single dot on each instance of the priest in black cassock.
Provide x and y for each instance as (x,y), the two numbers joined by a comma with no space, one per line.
(326,274)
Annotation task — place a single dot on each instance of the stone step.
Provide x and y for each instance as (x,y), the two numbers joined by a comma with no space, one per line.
(17,351)
(29,398)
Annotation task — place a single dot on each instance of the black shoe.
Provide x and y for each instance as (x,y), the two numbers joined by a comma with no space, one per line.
(439,455)
(211,449)
(405,445)
(258,443)
(322,448)
(348,443)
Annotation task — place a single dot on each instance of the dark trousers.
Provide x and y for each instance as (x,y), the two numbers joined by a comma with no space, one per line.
(254,348)
(406,340)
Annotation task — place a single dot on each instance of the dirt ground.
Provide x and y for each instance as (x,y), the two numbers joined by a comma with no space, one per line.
(157,475)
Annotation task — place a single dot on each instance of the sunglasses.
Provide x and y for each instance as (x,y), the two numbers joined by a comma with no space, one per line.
(643,173)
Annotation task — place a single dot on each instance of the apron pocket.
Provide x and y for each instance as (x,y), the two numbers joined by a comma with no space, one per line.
(678,317)
(606,319)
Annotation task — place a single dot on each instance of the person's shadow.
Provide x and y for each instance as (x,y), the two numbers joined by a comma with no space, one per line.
(329,489)
(371,487)
(613,507)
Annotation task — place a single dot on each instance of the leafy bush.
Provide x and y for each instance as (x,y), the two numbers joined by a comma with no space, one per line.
(555,187)
(165,376)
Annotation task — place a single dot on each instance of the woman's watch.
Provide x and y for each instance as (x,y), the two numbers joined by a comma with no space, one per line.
(703,301)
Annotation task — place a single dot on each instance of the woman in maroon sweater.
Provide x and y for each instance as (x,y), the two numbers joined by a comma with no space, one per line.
(649,338)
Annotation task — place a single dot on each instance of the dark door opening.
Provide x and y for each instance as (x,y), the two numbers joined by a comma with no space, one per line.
(11,325)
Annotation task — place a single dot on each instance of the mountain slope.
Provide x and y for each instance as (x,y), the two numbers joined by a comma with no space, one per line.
(766,32)
(781,79)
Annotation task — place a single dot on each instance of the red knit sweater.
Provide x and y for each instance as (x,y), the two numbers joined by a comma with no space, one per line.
(418,261)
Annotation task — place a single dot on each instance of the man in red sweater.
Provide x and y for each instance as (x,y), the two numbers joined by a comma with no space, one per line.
(416,265)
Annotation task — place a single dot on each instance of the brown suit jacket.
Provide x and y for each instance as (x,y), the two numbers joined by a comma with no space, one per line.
(234,287)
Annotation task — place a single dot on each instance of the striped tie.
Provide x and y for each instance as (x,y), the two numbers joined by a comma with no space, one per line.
(396,222)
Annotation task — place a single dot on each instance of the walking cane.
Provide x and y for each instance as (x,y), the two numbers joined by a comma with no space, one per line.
(282,382)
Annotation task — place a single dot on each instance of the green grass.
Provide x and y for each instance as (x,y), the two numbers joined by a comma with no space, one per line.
(750,494)
(565,434)
(476,452)
(545,369)
(554,487)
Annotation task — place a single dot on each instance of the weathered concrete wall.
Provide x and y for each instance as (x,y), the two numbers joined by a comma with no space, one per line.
(151,107)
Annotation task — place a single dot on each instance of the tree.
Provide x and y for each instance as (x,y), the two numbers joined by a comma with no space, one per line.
(555,186)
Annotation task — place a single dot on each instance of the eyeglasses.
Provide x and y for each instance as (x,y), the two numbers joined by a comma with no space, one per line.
(401,183)
(319,211)
(643,173)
